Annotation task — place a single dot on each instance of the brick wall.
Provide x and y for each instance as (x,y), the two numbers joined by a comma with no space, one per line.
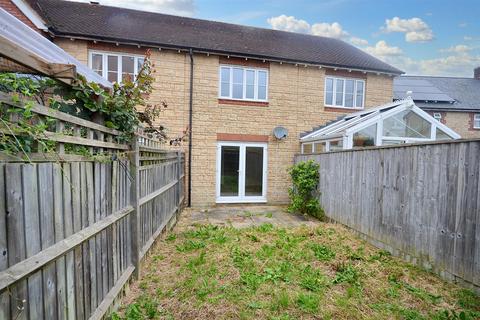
(11,8)
(462,123)
(295,102)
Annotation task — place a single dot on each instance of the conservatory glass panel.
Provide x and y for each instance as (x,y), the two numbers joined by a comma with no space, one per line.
(406,124)
(391,142)
(320,147)
(441,135)
(365,137)
(336,145)
(307,148)
(349,92)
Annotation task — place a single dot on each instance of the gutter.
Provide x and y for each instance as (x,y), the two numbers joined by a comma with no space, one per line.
(190,121)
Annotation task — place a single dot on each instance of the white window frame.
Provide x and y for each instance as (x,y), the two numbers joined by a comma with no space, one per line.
(241,198)
(476,118)
(119,56)
(342,106)
(244,94)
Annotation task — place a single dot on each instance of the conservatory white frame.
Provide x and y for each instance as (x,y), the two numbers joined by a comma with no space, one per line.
(344,129)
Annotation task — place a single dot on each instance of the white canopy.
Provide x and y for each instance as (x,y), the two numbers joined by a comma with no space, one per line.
(393,123)
(26,47)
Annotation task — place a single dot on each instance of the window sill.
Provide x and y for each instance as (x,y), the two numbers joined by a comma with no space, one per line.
(342,109)
(243,102)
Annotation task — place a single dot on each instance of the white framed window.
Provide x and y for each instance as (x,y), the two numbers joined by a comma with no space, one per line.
(437,116)
(476,121)
(243,83)
(346,93)
(115,67)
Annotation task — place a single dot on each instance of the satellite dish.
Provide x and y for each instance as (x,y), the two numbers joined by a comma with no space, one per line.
(280,133)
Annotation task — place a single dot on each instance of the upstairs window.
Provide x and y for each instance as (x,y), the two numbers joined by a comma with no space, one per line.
(115,67)
(476,121)
(243,83)
(344,92)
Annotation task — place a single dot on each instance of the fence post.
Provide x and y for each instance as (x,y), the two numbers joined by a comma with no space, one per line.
(179,171)
(134,198)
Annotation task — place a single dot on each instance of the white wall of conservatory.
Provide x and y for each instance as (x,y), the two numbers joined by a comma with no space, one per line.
(394,123)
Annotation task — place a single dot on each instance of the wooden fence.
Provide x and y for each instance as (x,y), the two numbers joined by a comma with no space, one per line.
(73,230)
(420,202)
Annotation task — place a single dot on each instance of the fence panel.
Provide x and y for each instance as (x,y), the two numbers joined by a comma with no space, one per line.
(68,223)
(421,202)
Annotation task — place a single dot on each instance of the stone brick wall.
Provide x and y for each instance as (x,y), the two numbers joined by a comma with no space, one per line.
(295,102)
(462,123)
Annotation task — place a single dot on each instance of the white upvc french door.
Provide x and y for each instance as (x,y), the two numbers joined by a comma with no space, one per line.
(241,172)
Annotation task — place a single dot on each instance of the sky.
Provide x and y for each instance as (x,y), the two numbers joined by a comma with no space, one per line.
(420,37)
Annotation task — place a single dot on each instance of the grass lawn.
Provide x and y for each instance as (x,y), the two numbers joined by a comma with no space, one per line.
(265,272)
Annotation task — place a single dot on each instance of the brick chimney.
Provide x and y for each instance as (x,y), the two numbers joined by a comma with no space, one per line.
(476,73)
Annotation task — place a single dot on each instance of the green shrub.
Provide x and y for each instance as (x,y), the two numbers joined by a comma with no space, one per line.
(303,194)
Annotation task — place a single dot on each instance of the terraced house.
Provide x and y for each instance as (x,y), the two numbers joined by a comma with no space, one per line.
(231,85)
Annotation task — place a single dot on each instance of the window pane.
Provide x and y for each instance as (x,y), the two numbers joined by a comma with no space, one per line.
(139,64)
(262,93)
(250,79)
(97,63)
(253,171)
(225,82)
(128,64)
(406,124)
(441,135)
(339,93)
(359,95)
(262,78)
(237,83)
(365,137)
(476,121)
(307,148)
(329,91)
(349,93)
(112,68)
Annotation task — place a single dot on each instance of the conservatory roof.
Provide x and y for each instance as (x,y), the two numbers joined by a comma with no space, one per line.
(24,50)
(359,120)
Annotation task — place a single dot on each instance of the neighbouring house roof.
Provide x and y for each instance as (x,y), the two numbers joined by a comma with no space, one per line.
(362,119)
(439,93)
(24,50)
(94,21)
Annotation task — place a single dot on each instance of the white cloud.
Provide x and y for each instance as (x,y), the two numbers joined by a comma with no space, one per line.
(382,49)
(463,25)
(289,23)
(460,48)
(176,7)
(415,29)
(331,30)
(467,38)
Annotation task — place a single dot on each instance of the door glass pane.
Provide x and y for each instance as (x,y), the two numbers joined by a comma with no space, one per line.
(229,171)
(250,80)
(349,92)
(365,137)
(253,171)
(128,63)
(406,124)
(237,83)
(97,63)
(112,68)
(339,93)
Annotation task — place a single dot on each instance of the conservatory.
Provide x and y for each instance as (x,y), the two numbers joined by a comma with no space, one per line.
(394,123)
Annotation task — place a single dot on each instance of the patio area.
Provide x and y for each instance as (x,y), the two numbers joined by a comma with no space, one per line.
(243,217)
